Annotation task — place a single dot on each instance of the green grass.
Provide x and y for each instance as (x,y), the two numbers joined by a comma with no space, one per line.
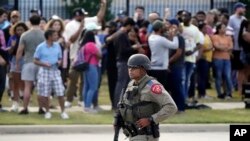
(106,117)
(191,116)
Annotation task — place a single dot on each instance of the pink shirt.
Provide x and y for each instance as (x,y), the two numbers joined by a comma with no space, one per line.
(88,50)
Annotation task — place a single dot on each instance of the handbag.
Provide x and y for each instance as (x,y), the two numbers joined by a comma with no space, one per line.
(81,65)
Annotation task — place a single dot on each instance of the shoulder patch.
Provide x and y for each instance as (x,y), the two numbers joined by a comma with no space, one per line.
(156,89)
(150,83)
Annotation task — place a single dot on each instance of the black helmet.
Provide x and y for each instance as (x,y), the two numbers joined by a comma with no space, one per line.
(139,60)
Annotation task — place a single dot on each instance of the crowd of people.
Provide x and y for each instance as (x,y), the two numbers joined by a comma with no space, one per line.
(184,50)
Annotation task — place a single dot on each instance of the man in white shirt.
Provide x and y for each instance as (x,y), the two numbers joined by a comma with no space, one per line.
(72,34)
(159,47)
(191,34)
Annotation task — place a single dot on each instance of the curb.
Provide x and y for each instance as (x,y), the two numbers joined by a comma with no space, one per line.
(71,129)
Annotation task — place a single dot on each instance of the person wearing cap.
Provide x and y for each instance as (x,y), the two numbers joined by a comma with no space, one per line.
(159,47)
(191,35)
(111,65)
(235,21)
(95,28)
(144,103)
(121,15)
(176,67)
(72,34)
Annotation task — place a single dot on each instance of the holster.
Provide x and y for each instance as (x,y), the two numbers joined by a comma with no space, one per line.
(155,130)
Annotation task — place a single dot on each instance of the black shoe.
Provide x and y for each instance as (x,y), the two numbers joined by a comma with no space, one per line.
(41,111)
(24,112)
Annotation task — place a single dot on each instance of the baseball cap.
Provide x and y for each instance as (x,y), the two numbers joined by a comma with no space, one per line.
(239,5)
(157,25)
(174,21)
(79,11)
(92,26)
(15,13)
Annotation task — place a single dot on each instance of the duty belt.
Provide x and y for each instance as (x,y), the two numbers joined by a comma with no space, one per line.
(133,130)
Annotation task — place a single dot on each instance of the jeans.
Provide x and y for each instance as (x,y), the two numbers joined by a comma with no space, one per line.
(122,81)
(177,86)
(222,67)
(203,67)
(189,69)
(90,85)
(95,98)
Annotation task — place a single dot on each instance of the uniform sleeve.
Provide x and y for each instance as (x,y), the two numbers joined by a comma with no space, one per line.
(164,100)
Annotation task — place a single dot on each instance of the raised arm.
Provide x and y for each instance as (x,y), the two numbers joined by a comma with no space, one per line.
(102,11)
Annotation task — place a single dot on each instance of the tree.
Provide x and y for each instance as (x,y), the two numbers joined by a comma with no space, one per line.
(247,2)
(91,6)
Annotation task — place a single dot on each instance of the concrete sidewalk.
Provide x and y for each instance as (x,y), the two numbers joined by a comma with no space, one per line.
(69,129)
(167,128)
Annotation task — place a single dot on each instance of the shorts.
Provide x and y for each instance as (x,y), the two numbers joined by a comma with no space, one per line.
(48,81)
(29,72)
(13,64)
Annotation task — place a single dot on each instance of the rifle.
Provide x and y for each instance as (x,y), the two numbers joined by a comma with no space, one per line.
(118,124)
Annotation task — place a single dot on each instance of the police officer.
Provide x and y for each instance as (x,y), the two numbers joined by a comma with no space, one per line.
(143,104)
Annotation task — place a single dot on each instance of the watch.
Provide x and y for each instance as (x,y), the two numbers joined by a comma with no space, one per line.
(150,119)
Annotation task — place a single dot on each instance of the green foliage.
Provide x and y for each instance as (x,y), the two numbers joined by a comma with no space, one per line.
(91,6)
(247,2)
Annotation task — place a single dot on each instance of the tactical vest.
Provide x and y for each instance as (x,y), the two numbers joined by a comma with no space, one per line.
(131,107)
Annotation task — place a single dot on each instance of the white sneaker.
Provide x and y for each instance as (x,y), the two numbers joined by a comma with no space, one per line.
(90,110)
(47,115)
(67,104)
(64,115)
(14,107)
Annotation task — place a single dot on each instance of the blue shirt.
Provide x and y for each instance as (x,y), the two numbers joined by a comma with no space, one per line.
(48,54)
